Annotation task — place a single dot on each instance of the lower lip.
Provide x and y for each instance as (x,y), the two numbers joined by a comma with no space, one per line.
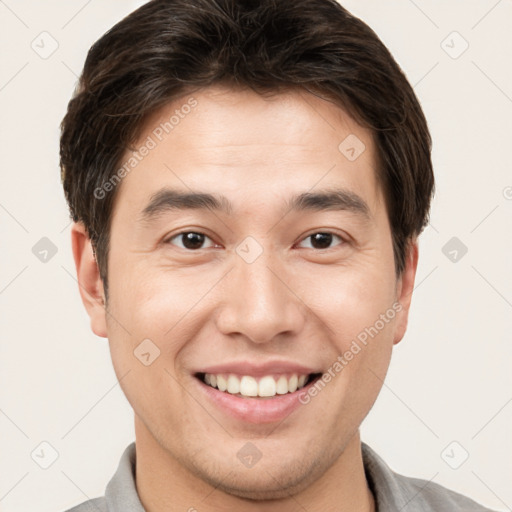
(255,410)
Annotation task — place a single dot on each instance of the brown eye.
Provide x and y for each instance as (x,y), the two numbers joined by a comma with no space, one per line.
(190,240)
(322,240)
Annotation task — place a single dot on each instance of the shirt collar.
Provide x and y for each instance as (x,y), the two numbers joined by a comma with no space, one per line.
(386,489)
(121,492)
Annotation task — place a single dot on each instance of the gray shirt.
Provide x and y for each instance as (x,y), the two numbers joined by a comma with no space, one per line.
(392,492)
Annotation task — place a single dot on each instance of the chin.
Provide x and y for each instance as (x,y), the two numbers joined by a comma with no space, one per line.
(266,481)
(268,487)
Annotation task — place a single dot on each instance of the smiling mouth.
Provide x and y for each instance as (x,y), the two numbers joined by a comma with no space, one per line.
(247,386)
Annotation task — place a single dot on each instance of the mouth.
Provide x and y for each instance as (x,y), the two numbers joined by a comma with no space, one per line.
(250,387)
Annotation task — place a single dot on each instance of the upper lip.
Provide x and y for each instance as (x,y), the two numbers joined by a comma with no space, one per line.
(259,369)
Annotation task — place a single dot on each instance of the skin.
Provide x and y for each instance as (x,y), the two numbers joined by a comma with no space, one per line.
(206,306)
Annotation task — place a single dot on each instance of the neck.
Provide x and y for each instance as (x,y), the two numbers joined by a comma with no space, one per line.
(164,484)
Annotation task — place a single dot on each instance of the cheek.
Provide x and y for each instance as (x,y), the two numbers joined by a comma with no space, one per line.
(349,300)
(145,337)
(148,296)
(157,305)
(361,312)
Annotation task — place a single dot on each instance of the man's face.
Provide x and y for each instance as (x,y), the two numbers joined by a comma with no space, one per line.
(257,284)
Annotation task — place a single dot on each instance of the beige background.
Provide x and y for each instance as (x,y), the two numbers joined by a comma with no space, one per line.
(450,378)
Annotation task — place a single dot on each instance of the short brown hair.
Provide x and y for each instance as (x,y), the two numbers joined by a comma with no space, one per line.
(169,47)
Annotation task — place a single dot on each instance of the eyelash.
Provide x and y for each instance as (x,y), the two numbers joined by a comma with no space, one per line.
(343,241)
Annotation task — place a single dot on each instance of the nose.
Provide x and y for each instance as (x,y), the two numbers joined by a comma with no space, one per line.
(260,302)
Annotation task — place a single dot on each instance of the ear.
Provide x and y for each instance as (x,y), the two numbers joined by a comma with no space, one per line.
(405,287)
(89,281)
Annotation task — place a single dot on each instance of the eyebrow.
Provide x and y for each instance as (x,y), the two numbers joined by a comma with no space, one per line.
(326,200)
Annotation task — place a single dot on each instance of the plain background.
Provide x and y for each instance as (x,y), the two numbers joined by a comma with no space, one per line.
(450,378)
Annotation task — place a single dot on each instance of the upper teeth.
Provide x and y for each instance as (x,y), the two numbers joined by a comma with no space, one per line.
(249,386)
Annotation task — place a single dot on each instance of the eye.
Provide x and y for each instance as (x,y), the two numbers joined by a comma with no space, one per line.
(191,240)
(322,240)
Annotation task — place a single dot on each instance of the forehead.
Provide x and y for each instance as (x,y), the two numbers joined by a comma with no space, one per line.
(248,145)
(223,117)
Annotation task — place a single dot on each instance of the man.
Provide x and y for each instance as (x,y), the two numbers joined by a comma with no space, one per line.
(247,182)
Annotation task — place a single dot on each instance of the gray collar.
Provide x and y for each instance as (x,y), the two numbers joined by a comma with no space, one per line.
(392,492)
